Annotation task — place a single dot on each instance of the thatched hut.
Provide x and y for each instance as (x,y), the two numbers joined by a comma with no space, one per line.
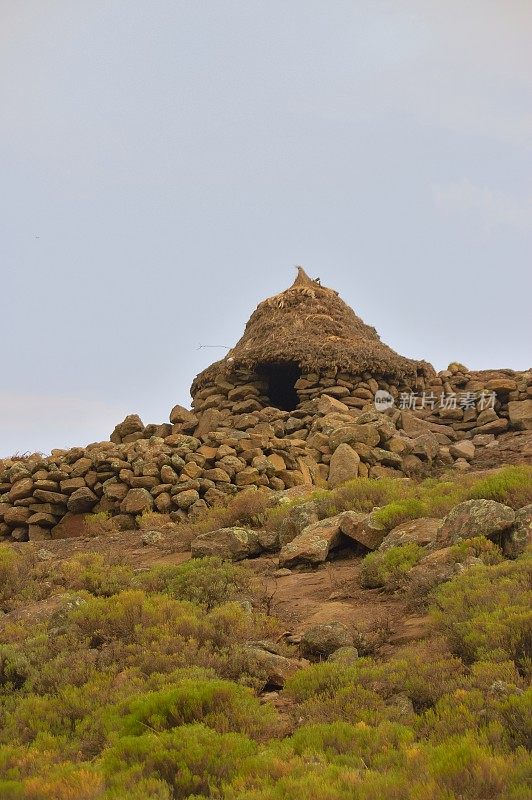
(301,343)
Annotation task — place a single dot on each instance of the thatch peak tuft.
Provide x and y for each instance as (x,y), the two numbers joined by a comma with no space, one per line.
(302,279)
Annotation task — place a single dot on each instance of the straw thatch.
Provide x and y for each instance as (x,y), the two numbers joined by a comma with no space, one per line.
(310,325)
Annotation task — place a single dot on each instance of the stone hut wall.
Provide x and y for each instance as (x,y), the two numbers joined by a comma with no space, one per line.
(234,440)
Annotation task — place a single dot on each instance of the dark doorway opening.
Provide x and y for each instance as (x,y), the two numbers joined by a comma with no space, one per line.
(280,389)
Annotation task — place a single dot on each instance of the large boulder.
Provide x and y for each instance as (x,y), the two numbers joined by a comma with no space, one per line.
(313,544)
(274,668)
(520,534)
(136,501)
(321,640)
(343,465)
(232,544)
(348,434)
(81,500)
(520,412)
(298,518)
(365,529)
(420,531)
(475,518)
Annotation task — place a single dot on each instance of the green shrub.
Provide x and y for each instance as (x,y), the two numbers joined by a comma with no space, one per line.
(325,678)
(477,547)
(218,704)
(387,568)
(15,669)
(511,485)
(206,581)
(191,759)
(92,572)
(486,612)
(399,511)
(357,745)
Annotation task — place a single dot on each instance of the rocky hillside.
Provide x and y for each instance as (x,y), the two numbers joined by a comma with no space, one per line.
(365,641)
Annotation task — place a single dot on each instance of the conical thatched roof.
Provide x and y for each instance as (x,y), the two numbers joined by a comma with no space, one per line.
(310,325)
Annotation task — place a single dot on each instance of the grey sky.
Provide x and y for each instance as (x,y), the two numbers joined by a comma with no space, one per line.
(164,164)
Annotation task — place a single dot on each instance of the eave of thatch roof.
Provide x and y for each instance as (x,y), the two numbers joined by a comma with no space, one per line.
(311,325)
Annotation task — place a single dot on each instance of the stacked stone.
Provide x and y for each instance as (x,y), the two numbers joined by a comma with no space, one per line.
(355,391)
(182,474)
(233,440)
(511,390)
(245,392)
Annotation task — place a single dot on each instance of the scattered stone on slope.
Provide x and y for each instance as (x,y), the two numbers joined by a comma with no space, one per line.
(519,536)
(232,544)
(464,449)
(321,640)
(421,531)
(475,518)
(313,544)
(363,528)
(343,466)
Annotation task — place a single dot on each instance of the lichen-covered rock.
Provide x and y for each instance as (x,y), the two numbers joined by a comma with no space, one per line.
(136,501)
(521,414)
(298,518)
(232,544)
(520,534)
(313,544)
(343,466)
(151,537)
(186,499)
(420,531)
(475,518)
(323,639)
(365,529)
(275,669)
(81,500)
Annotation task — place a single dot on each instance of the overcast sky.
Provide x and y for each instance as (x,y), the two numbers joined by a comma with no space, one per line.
(164,163)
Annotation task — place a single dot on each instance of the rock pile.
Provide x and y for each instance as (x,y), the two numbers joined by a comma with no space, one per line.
(199,458)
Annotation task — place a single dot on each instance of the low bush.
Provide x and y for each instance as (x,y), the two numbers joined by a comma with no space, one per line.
(206,581)
(221,705)
(388,568)
(510,485)
(486,612)
(477,547)
(92,572)
(191,760)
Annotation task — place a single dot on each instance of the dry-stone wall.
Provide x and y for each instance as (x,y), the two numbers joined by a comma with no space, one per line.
(233,439)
